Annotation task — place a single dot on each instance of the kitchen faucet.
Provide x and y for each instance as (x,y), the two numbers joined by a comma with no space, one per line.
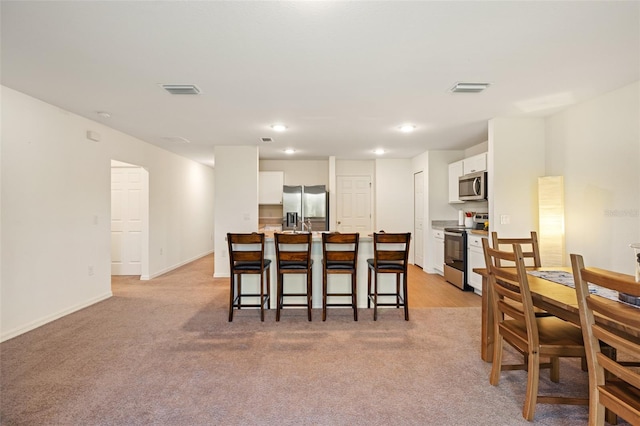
(305,226)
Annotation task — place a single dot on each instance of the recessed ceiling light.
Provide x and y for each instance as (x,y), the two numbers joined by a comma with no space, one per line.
(279,127)
(407,128)
(378,151)
(469,87)
(289,151)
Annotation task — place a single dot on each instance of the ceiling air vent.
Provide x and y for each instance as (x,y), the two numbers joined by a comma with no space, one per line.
(469,87)
(177,139)
(266,139)
(182,89)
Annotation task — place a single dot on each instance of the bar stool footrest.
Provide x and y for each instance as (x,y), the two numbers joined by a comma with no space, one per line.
(238,304)
(304,305)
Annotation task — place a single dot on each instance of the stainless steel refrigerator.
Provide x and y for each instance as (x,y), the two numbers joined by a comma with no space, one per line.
(309,203)
(291,206)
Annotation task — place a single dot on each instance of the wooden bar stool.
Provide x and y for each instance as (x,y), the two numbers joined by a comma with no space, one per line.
(340,256)
(390,256)
(293,256)
(246,256)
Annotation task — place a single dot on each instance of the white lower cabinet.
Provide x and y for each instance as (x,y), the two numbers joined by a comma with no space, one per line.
(438,257)
(475,259)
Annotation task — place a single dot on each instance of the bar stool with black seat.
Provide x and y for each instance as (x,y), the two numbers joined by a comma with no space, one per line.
(340,256)
(293,256)
(390,256)
(246,256)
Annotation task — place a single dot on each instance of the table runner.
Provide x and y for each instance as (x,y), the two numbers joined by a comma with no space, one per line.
(566,278)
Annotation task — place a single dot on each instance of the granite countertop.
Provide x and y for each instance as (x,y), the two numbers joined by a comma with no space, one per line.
(315,236)
(441,224)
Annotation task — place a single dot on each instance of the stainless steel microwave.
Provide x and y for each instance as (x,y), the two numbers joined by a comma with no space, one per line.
(472,186)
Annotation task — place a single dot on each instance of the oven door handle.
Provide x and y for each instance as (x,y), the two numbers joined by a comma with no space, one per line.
(453,234)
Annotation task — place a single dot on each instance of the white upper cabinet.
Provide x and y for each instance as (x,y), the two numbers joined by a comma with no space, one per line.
(455,171)
(270,187)
(477,163)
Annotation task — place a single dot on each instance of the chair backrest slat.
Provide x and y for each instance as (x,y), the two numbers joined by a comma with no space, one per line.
(529,246)
(391,247)
(615,324)
(293,247)
(245,248)
(509,288)
(340,247)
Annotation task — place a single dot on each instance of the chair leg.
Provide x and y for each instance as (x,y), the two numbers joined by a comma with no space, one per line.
(368,287)
(496,367)
(309,295)
(554,374)
(375,296)
(279,296)
(354,296)
(231,296)
(397,291)
(533,377)
(239,293)
(324,295)
(262,296)
(405,293)
(268,300)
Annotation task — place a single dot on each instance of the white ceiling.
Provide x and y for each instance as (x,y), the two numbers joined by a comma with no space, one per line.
(341,75)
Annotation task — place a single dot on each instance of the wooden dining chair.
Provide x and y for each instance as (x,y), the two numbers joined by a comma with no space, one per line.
(531,249)
(293,256)
(340,256)
(613,384)
(536,338)
(531,255)
(390,256)
(246,256)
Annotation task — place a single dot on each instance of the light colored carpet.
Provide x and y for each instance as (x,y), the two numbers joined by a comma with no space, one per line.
(162,352)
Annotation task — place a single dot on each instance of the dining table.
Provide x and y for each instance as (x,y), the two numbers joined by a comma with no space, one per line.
(555,298)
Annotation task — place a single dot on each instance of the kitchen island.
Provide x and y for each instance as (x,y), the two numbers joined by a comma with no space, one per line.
(297,282)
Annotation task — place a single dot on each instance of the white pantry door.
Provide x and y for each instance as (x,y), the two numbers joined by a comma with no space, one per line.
(353,204)
(126,220)
(418,218)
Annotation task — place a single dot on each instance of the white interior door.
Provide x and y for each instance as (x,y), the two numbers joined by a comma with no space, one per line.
(126,220)
(353,204)
(418,219)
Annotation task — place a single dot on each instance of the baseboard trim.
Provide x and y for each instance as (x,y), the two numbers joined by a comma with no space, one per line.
(176,266)
(45,320)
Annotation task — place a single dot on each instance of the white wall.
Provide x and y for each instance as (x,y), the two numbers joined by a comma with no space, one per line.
(435,165)
(355,168)
(393,184)
(596,146)
(299,172)
(56,210)
(236,198)
(515,160)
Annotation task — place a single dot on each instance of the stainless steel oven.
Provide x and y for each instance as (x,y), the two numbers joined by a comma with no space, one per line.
(455,257)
